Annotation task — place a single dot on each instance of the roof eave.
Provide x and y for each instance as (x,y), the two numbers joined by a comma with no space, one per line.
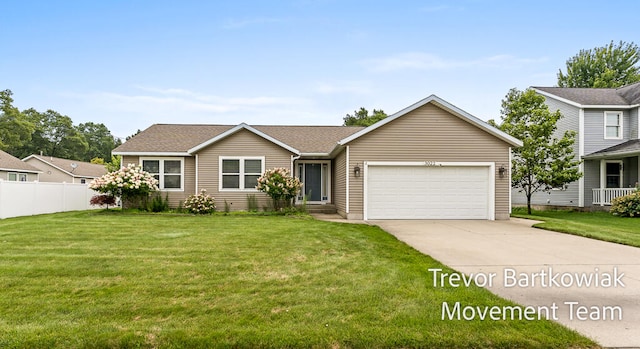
(316,155)
(611,155)
(19,170)
(150,153)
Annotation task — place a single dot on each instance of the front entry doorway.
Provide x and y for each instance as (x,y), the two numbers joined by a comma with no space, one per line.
(315,178)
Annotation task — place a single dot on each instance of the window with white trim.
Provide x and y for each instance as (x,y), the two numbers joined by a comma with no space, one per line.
(613,125)
(240,173)
(168,172)
(17,177)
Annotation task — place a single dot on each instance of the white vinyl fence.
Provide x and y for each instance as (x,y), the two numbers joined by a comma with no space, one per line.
(31,198)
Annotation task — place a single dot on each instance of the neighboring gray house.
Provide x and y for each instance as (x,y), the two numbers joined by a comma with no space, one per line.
(606,122)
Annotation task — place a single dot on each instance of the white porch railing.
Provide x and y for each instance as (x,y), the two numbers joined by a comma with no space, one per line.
(603,196)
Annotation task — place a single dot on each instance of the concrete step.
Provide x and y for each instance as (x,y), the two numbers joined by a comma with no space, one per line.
(327,209)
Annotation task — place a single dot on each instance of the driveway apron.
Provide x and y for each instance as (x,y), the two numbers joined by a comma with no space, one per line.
(520,255)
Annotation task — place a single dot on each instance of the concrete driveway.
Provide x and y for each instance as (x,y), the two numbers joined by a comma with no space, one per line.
(519,255)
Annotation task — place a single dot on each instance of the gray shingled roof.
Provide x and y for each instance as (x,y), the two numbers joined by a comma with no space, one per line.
(9,162)
(181,137)
(83,169)
(623,96)
(623,149)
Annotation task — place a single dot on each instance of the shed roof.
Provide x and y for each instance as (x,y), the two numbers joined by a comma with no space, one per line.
(627,148)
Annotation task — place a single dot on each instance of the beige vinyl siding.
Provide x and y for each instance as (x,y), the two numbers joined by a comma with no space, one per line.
(50,173)
(340,183)
(242,144)
(429,134)
(175,197)
(4,175)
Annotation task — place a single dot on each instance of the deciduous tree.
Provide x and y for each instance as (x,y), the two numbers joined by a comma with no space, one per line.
(15,129)
(546,159)
(610,66)
(362,118)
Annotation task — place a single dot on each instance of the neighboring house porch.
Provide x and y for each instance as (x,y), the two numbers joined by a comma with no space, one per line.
(617,169)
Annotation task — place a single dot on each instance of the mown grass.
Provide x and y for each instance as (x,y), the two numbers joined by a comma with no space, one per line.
(597,225)
(113,280)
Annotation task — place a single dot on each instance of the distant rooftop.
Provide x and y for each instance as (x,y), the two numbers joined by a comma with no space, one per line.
(622,96)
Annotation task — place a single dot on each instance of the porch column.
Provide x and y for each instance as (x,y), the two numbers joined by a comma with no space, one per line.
(603,180)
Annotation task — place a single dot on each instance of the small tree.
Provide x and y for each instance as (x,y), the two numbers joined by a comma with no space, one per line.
(544,161)
(280,186)
(130,183)
(103,200)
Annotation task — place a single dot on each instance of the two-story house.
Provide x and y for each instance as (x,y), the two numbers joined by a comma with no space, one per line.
(607,127)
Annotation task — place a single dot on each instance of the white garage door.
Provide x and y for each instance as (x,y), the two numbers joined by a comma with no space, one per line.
(428,192)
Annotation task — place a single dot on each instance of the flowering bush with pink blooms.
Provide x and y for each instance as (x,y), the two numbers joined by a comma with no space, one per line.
(201,203)
(280,186)
(128,183)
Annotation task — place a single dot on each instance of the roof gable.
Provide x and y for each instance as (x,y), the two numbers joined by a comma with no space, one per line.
(72,168)
(9,162)
(441,103)
(233,130)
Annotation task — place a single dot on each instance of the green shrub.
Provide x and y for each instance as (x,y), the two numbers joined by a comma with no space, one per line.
(158,204)
(626,206)
(201,203)
(252,203)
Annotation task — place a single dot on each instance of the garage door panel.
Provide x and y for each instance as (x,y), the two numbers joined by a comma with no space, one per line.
(421,192)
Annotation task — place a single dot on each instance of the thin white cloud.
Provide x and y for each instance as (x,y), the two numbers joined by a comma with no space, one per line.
(190,97)
(126,112)
(351,87)
(235,23)
(179,105)
(429,61)
(435,8)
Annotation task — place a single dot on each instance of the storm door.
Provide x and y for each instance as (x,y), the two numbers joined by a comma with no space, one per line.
(315,179)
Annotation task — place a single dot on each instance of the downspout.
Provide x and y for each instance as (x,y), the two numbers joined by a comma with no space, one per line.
(580,155)
(293,159)
(509,185)
(347,186)
(196,188)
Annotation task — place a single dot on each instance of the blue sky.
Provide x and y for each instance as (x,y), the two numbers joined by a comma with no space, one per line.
(130,64)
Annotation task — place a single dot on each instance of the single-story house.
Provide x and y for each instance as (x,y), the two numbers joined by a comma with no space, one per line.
(64,170)
(430,160)
(14,169)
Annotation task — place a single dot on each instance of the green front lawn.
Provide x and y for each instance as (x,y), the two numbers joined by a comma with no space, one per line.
(107,279)
(596,225)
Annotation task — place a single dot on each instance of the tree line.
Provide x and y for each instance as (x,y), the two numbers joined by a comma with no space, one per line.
(50,133)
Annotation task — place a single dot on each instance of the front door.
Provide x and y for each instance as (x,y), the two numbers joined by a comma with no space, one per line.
(315,178)
(614,174)
(313,182)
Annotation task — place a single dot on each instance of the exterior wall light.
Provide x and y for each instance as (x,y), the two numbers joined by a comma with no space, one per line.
(356,171)
(502,171)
